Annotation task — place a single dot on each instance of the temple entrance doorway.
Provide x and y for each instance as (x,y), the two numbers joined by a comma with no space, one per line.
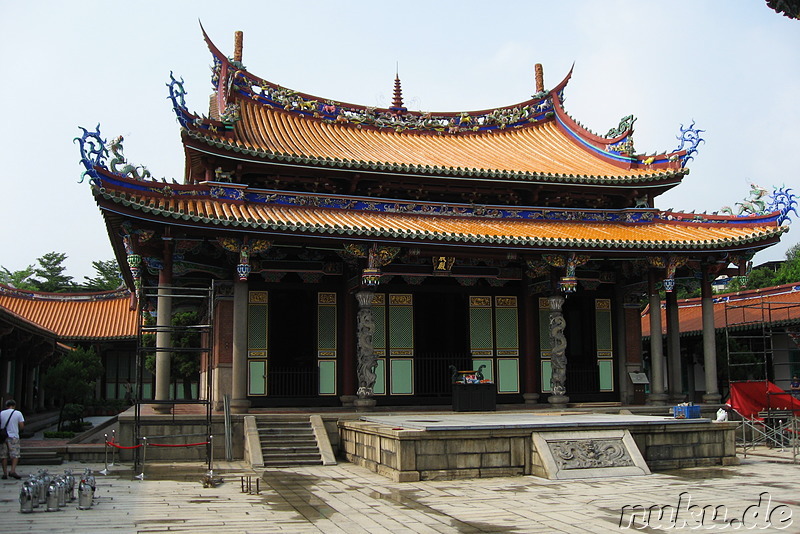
(441,338)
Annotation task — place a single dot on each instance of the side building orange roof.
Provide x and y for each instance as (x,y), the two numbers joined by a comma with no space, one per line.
(778,305)
(71,316)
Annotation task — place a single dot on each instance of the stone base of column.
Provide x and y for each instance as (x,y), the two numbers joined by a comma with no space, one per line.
(677,398)
(348,400)
(240,406)
(558,401)
(531,398)
(712,398)
(657,399)
(366,404)
(163,408)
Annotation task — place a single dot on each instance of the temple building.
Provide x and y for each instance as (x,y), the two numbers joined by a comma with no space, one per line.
(361,256)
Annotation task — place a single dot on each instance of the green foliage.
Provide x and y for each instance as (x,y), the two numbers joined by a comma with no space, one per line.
(18,279)
(761,277)
(73,415)
(72,380)
(50,275)
(787,273)
(107,276)
(73,377)
(688,291)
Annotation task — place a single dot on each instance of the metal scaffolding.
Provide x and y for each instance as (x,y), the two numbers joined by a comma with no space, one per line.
(751,329)
(195,298)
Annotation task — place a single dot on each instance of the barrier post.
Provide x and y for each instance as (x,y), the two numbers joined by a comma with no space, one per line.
(105,455)
(211,455)
(113,449)
(140,476)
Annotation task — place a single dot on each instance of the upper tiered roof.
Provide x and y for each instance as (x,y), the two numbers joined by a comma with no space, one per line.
(256,121)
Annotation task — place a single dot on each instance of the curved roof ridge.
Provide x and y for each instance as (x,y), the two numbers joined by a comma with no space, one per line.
(31,294)
(232,77)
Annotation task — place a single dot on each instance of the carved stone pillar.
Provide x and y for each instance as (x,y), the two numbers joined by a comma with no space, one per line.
(558,353)
(657,395)
(712,395)
(367,362)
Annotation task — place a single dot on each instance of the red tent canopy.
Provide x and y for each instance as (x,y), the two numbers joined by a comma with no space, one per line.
(749,398)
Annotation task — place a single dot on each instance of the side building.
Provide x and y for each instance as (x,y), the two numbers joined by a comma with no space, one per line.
(37,328)
(357,255)
(758,332)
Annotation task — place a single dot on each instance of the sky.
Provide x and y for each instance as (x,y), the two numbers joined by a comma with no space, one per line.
(731,66)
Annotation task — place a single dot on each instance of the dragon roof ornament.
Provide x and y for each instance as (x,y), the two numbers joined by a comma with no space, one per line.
(690,139)
(95,156)
(761,202)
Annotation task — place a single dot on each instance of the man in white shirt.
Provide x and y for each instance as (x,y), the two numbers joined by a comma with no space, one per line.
(11,419)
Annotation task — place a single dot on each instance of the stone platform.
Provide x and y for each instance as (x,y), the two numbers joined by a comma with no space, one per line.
(415,447)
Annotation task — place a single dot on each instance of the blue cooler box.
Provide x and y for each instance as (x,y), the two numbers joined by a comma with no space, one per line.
(686,412)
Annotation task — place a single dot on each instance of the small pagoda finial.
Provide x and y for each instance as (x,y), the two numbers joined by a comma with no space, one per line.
(238,38)
(397,101)
(539,78)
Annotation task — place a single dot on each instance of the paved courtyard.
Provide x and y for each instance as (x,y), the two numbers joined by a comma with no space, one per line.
(763,492)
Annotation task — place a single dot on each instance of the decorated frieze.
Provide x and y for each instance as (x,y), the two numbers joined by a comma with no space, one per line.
(257,90)
(590,453)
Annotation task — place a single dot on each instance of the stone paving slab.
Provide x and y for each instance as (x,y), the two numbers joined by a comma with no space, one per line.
(764,491)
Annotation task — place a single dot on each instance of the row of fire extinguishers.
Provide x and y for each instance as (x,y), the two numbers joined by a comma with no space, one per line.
(54,491)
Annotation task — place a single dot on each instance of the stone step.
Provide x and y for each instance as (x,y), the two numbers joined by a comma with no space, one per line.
(283,449)
(288,443)
(277,439)
(40,457)
(282,424)
(281,432)
(283,462)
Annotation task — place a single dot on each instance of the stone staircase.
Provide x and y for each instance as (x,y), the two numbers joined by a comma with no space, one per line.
(288,443)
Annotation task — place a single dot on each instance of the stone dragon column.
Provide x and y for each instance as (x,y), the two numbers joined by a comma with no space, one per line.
(367,362)
(558,353)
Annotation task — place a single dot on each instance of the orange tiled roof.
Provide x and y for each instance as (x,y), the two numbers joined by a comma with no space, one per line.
(73,316)
(776,305)
(202,206)
(543,152)
(536,140)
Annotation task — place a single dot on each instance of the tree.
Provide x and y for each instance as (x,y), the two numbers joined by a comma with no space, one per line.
(18,279)
(108,276)
(761,277)
(73,377)
(50,275)
(789,272)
